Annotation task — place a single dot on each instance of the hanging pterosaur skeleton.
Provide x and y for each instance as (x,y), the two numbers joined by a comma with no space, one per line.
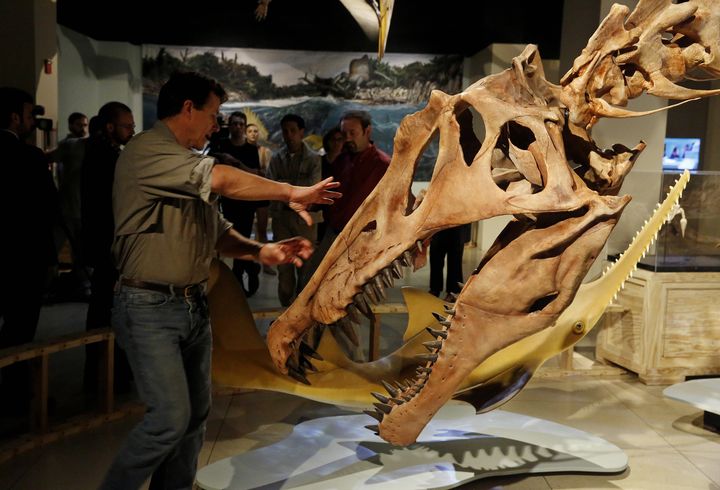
(537,163)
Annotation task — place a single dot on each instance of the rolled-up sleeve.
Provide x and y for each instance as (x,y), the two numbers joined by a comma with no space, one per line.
(201,175)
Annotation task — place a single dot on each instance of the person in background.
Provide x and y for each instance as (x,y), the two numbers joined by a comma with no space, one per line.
(333,141)
(115,127)
(168,228)
(27,250)
(68,158)
(252,133)
(358,168)
(296,164)
(450,242)
(236,151)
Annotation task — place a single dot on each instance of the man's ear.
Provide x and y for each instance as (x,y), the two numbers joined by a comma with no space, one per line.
(187,107)
(14,120)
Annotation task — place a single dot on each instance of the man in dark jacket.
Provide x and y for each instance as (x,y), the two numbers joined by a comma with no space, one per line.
(116,127)
(28,207)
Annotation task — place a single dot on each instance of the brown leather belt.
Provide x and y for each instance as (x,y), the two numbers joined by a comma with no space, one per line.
(185,291)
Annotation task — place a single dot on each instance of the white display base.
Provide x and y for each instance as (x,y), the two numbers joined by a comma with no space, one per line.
(457,447)
(701,393)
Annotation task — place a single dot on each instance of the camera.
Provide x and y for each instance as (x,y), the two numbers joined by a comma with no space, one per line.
(43,124)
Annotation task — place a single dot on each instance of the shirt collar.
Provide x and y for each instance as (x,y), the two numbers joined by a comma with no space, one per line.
(12,133)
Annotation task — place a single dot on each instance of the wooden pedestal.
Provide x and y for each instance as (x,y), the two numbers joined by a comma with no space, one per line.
(668,326)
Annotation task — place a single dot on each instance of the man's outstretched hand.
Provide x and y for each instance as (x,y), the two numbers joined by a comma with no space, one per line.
(302,197)
(291,251)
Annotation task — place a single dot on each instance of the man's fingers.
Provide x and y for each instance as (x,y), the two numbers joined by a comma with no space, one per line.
(306,217)
(305,253)
(329,183)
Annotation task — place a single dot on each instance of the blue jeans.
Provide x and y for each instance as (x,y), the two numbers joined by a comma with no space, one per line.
(168,342)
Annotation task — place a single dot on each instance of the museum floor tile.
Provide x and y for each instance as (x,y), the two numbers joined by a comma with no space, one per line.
(663,439)
(666,447)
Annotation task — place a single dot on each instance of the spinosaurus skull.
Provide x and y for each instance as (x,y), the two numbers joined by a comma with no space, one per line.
(563,215)
(523,283)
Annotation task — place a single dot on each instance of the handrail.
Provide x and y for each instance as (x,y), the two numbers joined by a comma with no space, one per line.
(31,350)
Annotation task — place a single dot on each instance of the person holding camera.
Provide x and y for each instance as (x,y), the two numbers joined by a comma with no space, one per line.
(27,250)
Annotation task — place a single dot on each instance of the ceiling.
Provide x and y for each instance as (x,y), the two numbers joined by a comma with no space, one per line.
(418,26)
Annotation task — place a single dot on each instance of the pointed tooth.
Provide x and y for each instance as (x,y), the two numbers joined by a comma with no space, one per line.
(347,329)
(419,245)
(370,293)
(383,407)
(427,357)
(374,428)
(353,313)
(453,297)
(433,344)
(441,319)
(408,258)
(362,304)
(388,278)
(381,398)
(424,369)
(309,351)
(379,288)
(437,333)
(449,310)
(397,269)
(305,364)
(374,414)
(462,285)
(407,398)
(296,374)
(390,388)
(397,401)
(293,361)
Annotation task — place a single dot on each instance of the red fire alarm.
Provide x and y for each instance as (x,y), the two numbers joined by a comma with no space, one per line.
(48,66)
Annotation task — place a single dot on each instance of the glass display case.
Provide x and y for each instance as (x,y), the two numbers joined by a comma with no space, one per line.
(665,321)
(690,240)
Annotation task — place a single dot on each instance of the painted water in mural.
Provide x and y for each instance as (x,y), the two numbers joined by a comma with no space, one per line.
(319,86)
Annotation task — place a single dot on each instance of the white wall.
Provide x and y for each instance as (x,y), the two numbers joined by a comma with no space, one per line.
(92,73)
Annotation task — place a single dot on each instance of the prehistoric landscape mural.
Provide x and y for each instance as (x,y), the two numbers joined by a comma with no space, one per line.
(319,86)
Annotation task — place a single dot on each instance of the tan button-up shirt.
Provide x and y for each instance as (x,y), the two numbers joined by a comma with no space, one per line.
(303,168)
(167,220)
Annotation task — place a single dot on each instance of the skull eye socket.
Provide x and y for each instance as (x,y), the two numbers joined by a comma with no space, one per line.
(519,135)
(372,226)
(470,127)
(541,303)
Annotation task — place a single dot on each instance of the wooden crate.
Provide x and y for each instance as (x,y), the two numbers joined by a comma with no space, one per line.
(668,326)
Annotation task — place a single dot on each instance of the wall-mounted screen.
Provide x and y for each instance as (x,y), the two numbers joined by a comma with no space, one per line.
(681,154)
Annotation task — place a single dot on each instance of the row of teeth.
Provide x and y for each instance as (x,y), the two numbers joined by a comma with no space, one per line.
(373,292)
(403,391)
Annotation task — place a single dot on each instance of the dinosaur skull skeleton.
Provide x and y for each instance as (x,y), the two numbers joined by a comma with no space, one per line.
(563,215)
